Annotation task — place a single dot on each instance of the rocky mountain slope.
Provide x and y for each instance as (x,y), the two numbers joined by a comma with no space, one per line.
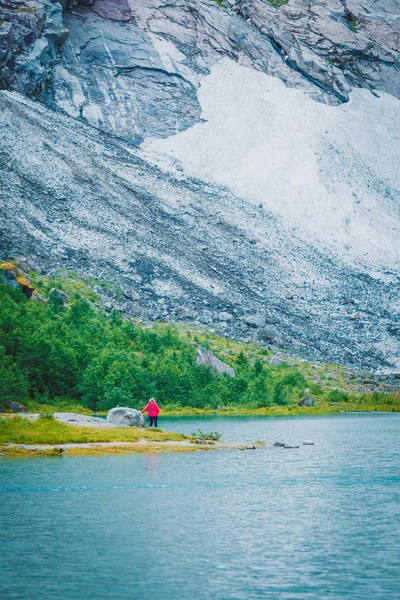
(273,214)
(180,248)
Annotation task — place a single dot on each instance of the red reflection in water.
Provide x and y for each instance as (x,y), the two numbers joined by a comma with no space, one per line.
(152,462)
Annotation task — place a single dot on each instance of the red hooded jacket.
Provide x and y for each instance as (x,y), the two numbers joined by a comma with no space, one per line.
(152,408)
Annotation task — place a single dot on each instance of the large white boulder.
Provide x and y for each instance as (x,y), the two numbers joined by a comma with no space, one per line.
(121,415)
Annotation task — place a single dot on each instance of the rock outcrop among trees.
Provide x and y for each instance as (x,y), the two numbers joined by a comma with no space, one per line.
(207,358)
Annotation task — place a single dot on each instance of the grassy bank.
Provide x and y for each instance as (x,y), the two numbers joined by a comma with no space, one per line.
(21,437)
(19,430)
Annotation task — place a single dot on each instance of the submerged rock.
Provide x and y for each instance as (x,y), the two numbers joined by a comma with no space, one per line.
(121,415)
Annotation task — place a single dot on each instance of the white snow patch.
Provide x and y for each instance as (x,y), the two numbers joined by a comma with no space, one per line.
(331,174)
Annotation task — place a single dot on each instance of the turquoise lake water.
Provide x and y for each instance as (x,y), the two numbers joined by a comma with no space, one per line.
(319,522)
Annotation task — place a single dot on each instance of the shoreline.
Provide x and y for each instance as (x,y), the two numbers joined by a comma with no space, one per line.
(281,411)
(11,450)
(321,408)
(92,435)
(74,434)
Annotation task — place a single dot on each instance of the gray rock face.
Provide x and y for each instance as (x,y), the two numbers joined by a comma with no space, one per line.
(135,71)
(125,416)
(33,266)
(336,44)
(207,358)
(10,277)
(133,68)
(31,33)
(112,76)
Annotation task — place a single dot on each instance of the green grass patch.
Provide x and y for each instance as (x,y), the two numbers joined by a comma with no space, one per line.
(19,430)
(277,3)
(351,22)
(47,405)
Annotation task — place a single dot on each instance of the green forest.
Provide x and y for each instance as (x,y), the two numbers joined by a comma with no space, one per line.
(55,353)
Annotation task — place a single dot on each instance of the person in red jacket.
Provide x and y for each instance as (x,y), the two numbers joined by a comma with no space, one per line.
(153,410)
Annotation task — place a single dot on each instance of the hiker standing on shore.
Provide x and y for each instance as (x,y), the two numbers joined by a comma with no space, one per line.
(153,410)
